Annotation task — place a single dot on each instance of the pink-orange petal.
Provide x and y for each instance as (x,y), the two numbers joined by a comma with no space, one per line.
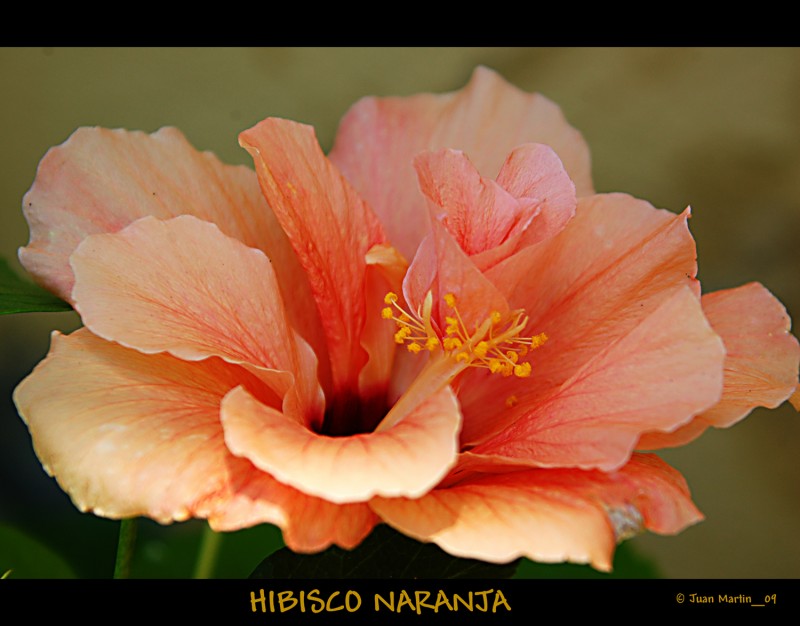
(385,271)
(309,524)
(330,227)
(379,138)
(612,265)
(101,180)
(182,286)
(665,371)
(129,434)
(406,460)
(441,267)
(546,515)
(532,200)
(534,172)
(478,213)
(761,360)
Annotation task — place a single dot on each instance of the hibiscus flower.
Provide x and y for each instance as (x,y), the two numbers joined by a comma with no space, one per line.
(440,326)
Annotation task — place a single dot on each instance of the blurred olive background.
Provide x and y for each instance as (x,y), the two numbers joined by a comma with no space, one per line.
(715,128)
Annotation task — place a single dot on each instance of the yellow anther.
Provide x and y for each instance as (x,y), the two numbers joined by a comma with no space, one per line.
(538,340)
(494,344)
(452,343)
(523,370)
(481,349)
(511,401)
(401,334)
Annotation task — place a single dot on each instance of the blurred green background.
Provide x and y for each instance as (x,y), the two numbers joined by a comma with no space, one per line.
(715,128)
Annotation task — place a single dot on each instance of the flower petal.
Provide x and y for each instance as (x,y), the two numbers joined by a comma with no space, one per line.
(534,172)
(309,524)
(183,287)
(330,227)
(760,365)
(101,180)
(478,213)
(152,423)
(611,267)
(405,460)
(546,515)
(532,199)
(385,271)
(129,434)
(379,137)
(662,373)
(441,267)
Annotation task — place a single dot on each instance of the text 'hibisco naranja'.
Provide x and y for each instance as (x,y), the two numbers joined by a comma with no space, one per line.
(401,601)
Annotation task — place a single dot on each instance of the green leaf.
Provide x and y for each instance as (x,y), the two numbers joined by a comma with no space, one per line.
(20,296)
(28,558)
(628,563)
(386,553)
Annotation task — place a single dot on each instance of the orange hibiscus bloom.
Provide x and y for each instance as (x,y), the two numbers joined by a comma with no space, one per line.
(440,327)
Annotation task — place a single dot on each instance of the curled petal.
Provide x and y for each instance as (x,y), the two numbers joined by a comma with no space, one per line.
(182,286)
(128,434)
(546,515)
(478,213)
(309,524)
(152,423)
(218,298)
(379,138)
(101,180)
(761,360)
(532,200)
(534,172)
(405,460)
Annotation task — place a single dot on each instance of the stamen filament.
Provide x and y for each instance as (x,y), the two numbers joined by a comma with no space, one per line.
(490,346)
(495,345)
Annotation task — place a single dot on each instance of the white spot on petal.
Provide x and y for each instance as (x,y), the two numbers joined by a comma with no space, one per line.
(626,520)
